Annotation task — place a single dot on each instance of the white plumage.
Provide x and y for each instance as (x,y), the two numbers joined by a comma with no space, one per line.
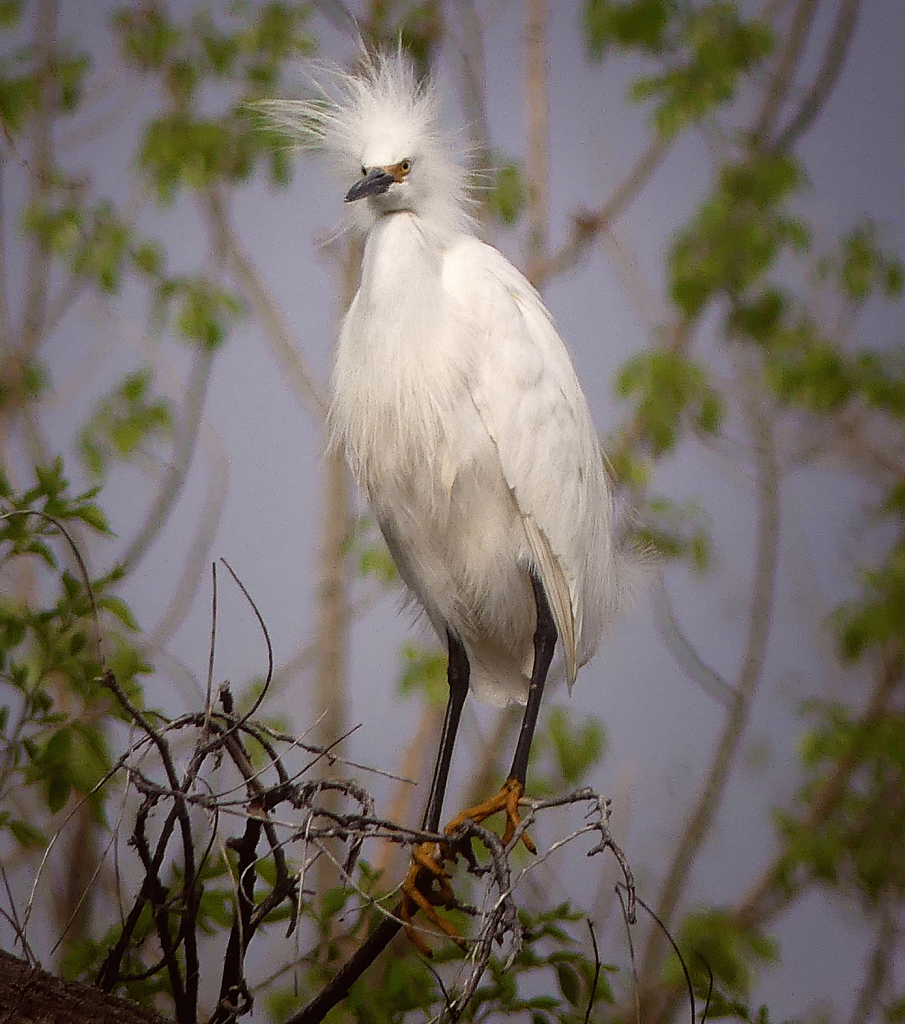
(454,398)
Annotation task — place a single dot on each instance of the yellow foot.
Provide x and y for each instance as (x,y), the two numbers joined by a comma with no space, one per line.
(506,800)
(426,887)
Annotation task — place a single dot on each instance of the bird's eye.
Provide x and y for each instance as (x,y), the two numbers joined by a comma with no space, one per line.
(364,171)
(405,166)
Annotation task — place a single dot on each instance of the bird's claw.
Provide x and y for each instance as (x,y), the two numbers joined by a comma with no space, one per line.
(506,800)
(426,887)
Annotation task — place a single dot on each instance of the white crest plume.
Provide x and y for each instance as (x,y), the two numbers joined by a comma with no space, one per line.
(381,113)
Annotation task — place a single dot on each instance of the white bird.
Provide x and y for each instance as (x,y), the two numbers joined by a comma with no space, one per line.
(460,413)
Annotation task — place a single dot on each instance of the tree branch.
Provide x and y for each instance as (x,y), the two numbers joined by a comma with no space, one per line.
(827,75)
(587,225)
(877,974)
(184,448)
(781,80)
(759,618)
(276,330)
(538,143)
(41,167)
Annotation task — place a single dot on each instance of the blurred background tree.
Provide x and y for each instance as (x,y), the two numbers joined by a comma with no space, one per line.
(658,168)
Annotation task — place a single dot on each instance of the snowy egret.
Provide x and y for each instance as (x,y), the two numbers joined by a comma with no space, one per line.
(463,421)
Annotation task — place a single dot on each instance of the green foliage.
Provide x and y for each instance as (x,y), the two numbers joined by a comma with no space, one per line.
(564,751)
(247,50)
(675,531)
(201,311)
(94,243)
(711,938)
(507,195)
(73,757)
(716,48)
(708,50)
(627,24)
(424,670)
(25,534)
(737,235)
(861,842)
(877,620)
(402,988)
(860,268)
(669,389)
(123,422)
(52,725)
(10,13)
(415,25)
(550,956)
(20,84)
(368,551)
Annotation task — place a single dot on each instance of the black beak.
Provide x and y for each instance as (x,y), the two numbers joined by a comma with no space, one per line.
(374,183)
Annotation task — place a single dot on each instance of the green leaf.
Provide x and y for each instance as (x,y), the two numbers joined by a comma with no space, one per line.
(668,388)
(569,983)
(376,561)
(18,98)
(714,52)
(27,835)
(637,24)
(735,238)
(10,13)
(506,198)
(333,902)
(124,421)
(759,317)
(424,670)
(92,516)
(118,607)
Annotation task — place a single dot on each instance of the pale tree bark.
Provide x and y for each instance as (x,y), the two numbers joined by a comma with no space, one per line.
(538,135)
(331,641)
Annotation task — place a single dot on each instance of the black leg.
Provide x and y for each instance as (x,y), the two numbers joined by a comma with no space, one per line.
(457,675)
(544,643)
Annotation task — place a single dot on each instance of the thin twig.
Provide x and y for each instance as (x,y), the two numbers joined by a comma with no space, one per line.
(184,447)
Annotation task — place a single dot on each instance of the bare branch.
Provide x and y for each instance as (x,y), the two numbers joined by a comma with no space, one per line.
(684,651)
(826,77)
(784,74)
(877,974)
(41,166)
(587,225)
(5,320)
(759,617)
(197,555)
(276,330)
(474,86)
(184,447)
(538,143)
(783,881)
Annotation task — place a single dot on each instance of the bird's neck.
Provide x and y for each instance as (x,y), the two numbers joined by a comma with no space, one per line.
(402,247)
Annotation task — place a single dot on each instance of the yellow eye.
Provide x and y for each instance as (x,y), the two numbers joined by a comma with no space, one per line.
(405,166)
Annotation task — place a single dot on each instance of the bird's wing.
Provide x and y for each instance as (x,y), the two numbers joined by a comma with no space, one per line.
(524,387)
(556,587)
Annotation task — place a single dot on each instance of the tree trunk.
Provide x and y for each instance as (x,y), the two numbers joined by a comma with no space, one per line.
(29,995)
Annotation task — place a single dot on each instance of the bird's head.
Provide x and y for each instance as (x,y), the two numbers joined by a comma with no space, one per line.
(381,129)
